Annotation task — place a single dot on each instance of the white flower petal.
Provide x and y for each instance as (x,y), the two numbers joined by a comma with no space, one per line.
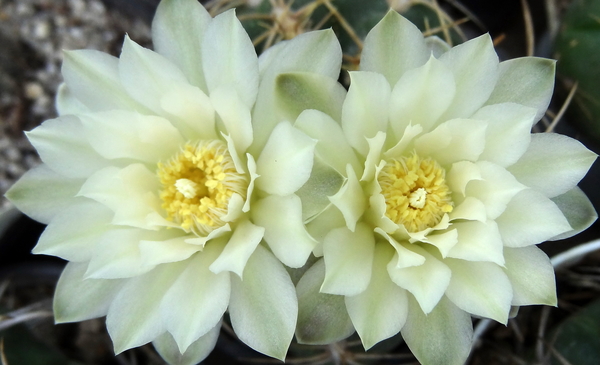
(79,299)
(470,209)
(93,78)
(480,288)
(67,103)
(478,241)
(42,193)
(404,257)
(444,242)
(146,74)
(234,114)
(253,177)
(62,145)
(240,246)
(350,199)
(129,192)
(421,96)
(317,52)
(578,210)
(442,337)
(286,161)
(231,59)
(461,174)
(75,242)
(365,109)
(196,300)
(531,275)
(392,47)
(453,141)
(508,132)
(531,218)
(475,68)
(263,307)
(348,260)
(409,133)
(177,31)
(553,164)
(427,282)
(322,318)
(122,134)
(281,216)
(373,162)
(172,250)
(328,219)
(166,346)
(381,310)
(496,188)
(134,318)
(323,183)
(527,81)
(190,110)
(331,147)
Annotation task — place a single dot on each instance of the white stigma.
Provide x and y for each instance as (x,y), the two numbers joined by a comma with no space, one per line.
(187,187)
(417,198)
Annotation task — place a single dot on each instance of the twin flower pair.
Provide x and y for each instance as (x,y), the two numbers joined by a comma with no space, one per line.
(196,179)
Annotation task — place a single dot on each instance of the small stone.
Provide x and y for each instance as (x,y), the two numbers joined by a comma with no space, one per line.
(12,154)
(41,29)
(33,90)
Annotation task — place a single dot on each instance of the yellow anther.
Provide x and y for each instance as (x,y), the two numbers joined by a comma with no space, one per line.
(415,191)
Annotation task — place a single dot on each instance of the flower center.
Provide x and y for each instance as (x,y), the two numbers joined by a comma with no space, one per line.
(415,191)
(197,185)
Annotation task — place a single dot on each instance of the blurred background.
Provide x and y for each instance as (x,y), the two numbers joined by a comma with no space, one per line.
(33,34)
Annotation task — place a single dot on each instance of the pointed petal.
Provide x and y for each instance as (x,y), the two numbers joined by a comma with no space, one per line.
(72,233)
(234,114)
(366,108)
(461,174)
(553,164)
(134,316)
(348,259)
(42,193)
(478,241)
(380,311)
(177,31)
(392,47)
(324,182)
(480,288)
(78,299)
(240,246)
(527,81)
(196,300)
(122,134)
(322,318)
(427,282)
(281,216)
(421,96)
(531,218)
(286,161)
(67,103)
(299,91)
(172,250)
(531,275)
(475,68)
(350,199)
(315,52)
(470,209)
(578,210)
(508,132)
(453,141)
(166,346)
(146,74)
(93,78)
(331,147)
(443,337)
(263,307)
(190,110)
(404,257)
(63,146)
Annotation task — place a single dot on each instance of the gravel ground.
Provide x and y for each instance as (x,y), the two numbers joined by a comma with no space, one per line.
(33,34)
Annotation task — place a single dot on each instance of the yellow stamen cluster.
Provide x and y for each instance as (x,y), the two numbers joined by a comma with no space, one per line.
(197,185)
(415,191)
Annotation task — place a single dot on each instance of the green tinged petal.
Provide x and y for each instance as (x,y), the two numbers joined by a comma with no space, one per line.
(263,307)
(478,241)
(380,311)
(240,246)
(578,210)
(166,346)
(442,337)
(299,91)
(553,164)
(531,275)
(42,193)
(177,31)
(322,318)
(528,81)
(79,299)
(392,47)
